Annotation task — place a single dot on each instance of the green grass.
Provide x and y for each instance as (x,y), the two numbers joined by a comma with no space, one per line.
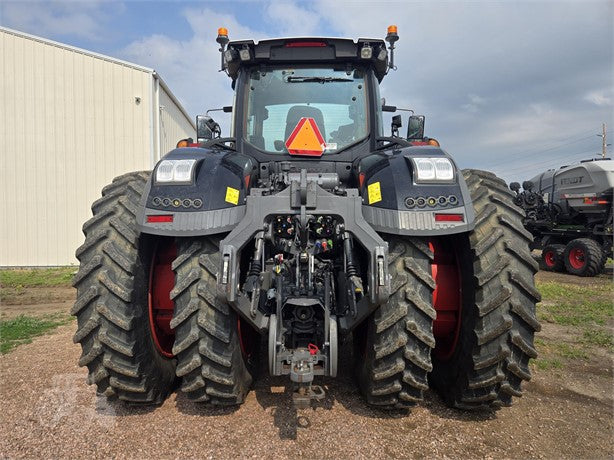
(40,277)
(545,364)
(585,311)
(22,329)
(599,337)
(572,305)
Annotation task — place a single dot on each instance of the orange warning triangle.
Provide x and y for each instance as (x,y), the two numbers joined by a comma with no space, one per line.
(306,139)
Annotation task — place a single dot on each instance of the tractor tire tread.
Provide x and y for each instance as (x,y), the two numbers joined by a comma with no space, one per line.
(395,372)
(500,325)
(209,357)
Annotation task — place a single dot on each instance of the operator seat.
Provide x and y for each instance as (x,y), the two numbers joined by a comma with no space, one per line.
(299,111)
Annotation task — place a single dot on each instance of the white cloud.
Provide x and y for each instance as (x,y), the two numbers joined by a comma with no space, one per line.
(81,19)
(599,98)
(474,104)
(190,67)
(289,19)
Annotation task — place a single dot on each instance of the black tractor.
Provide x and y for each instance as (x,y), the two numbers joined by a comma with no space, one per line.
(308,227)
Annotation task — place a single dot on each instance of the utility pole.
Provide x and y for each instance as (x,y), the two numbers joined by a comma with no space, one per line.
(603,140)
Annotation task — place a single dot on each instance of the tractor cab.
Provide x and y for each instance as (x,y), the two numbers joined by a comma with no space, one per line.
(309,97)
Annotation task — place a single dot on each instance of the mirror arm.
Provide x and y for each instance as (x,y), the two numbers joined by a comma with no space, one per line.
(225,109)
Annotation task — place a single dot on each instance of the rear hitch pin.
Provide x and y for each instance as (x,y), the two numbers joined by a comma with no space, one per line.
(225,266)
(381,279)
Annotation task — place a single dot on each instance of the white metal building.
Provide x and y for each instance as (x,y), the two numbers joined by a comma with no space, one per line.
(70,121)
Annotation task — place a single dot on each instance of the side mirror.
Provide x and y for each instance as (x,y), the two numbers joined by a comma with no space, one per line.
(514,187)
(415,127)
(396,124)
(206,128)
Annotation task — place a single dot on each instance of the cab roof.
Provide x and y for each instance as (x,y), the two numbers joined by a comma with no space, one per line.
(299,50)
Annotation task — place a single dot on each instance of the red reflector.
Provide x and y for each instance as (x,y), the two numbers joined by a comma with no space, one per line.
(588,200)
(449,218)
(305,44)
(160,218)
(602,202)
(361,179)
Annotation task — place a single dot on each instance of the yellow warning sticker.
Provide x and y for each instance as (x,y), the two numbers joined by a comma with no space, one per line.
(232,195)
(375,192)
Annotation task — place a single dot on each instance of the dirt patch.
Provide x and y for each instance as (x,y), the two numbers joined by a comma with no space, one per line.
(36,301)
(545,276)
(49,411)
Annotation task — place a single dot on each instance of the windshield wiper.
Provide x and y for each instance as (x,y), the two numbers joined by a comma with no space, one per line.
(316,79)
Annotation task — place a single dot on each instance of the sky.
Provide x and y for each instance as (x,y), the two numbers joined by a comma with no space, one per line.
(514,87)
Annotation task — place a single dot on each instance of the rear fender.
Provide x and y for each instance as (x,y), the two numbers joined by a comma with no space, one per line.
(392,196)
(213,202)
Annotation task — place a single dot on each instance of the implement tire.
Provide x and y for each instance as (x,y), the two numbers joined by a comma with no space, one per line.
(392,348)
(215,365)
(498,322)
(552,258)
(583,257)
(112,307)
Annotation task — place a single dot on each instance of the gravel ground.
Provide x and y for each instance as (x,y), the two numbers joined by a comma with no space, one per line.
(48,411)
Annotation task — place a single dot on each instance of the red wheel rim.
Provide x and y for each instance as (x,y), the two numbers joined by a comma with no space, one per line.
(447,298)
(161,307)
(550,258)
(248,340)
(576,258)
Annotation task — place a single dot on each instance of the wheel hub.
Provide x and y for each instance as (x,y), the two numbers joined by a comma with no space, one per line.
(161,307)
(576,258)
(447,298)
(550,259)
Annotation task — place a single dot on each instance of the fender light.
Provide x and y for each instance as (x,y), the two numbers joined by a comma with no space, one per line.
(179,171)
(449,218)
(433,170)
(159,218)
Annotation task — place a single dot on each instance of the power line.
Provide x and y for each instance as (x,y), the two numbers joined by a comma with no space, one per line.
(541,164)
(513,157)
(558,161)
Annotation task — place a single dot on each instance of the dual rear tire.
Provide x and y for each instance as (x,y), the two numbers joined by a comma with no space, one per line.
(112,307)
(498,321)
(475,345)
(123,295)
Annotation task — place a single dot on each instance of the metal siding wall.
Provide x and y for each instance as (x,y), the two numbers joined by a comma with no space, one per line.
(68,125)
(174,125)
